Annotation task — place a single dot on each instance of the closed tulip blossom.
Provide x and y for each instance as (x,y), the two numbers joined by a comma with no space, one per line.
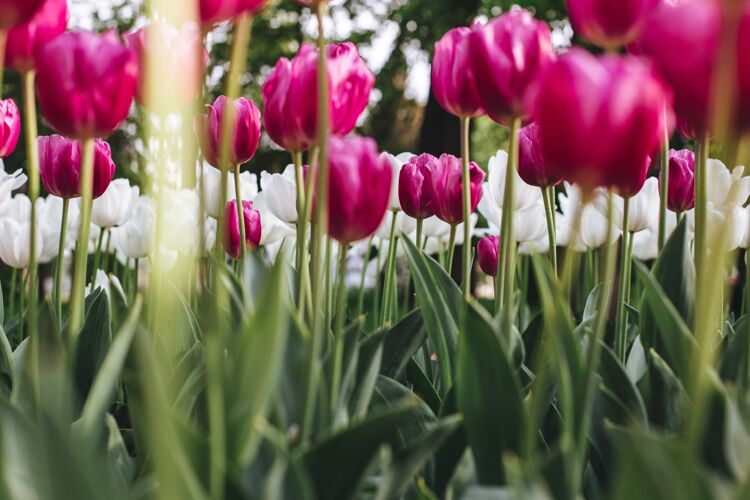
(290,107)
(487,254)
(414,196)
(115,206)
(232,234)
(532,167)
(245,132)
(25,39)
(10,127)
(453,82)
(681,182)
(14,12)
(610,24)
(60,166)
(211,12)
(444,184)
(508,55)
(97,76)
(600,119)
(135,238)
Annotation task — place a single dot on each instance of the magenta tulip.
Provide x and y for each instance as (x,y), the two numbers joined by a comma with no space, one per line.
(743,69)
(359,188)
(681,183)
(253,230)
(86,83)
(290,95)
(179,57)
(25,39)
(487,255)
(453,82)
(609,24)
(10,127)
(532,167)
(60,166)
(413,193)
(445,188)
(245,136)
(601,118)
(508,56)
(15,12)
(211,12)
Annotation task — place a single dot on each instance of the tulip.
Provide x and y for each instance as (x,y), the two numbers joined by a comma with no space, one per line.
(10,127)
(25,39)
(487,254)
(397,164)
(275,230)
(182,232)
(524,195)
(232,234)
(443,183)
(453,82)
(643,208)
(49,214)
(532,167)
(60,166)
(600,119)
(115,206)
(179,57)
(14,12)
(743,69)
(359,188)
(8,184)
(289,95)
(15,226)
(97,76)
(212,189)
(279,190)
(245,132)
(414,197)
(404,225)
(211,12)
(507,57)
(681,183)
(610,25)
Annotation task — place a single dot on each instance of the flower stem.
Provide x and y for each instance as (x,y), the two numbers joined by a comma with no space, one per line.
(621,320)
(98,253)
(418,241)
(466,185)
(507,258)
(240,215)
(548,196)
(339,328)
(664,190)
(57,291)
(451,249)
(3,39)
(13,292)
(303,266)
(365,261)
(701,215)
(389,274)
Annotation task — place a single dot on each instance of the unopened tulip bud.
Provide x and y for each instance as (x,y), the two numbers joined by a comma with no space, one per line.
(681,183)
(245,136)
(487,255)
(10,127)
(232,231)
(60,166)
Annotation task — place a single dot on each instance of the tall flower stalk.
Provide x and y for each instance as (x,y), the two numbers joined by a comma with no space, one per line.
(507,258)
(466,187)
(81,256)
(59,263)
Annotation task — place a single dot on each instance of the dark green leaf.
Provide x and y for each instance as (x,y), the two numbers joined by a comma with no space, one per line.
(401,342)
(93,342)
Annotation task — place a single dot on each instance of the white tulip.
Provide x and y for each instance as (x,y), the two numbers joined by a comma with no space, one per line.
(592,228)
(107,282)
(115,206)
(397,163)
(432,227)
(181,221)
(15,228)
(209,234)
(50,219)
(404,225)
(733,220)
(524,194)
(272,229)
(281,194)
(643,207)
(135,238)
(212,189)
(530,224)
(724,187)
(9,183)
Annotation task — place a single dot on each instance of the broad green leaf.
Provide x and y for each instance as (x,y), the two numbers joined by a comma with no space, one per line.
(92,342)
(369,363)
(422,385)
(6,365)
(449,455)
(401,342)
(389,393)
(616,380)
(666,399)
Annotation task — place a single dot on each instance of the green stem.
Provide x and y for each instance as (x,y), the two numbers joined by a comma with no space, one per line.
(13,292)
(701,216)
(57,290)
(389,274)
(107,251)
(136,273)
(21,307)
(506,261)
(745,381)
(378,286)
(3,39)
(418,240)
(664,190)
(98,253)
(548,197)
(339,330)
(621,314)
(466,186)
(361,299)
(327,317)
(240,215)
(451,249)
(300,260)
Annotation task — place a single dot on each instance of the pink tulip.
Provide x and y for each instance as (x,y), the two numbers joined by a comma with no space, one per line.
(10,127)
(683,37)
(445,188)
(245,137)
(453,82)
(86,83)
(532,167)
(600,119)
(15,12)
(290,95)
(681,188)
(60,166)
(359,188)
(232,233)
(610,24)
(211,12)
(743,69)
(413,193)
(507,57)
(25,39)
(178,55)
(487,255)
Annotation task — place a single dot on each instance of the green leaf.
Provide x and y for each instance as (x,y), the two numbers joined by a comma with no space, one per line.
(389,393)
(616,380)
(449,455)
(401,342)
(93,342)
(338,463)
(6,365)
(666,399)
(369,363)
(422,385)
(489,396)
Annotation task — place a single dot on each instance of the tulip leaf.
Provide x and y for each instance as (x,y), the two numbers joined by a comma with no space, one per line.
(400,344)
(493,410)
(93,341)
(665,397)
(616,379)
(6,365)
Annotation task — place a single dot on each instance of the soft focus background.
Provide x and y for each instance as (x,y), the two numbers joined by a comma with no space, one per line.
(395,37)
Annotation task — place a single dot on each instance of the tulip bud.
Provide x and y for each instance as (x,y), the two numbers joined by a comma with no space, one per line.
(487,255)
(10,127)
(453,81)
(531,165)
(245,134)
(412,190)
(85,83)
(681,183)
(60,166)
(445,187)
(290,104)
(359,188)
(14,12)
(232,231)
(600,119)
(507,57)
(25,39)
(609,25)
(211,12)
